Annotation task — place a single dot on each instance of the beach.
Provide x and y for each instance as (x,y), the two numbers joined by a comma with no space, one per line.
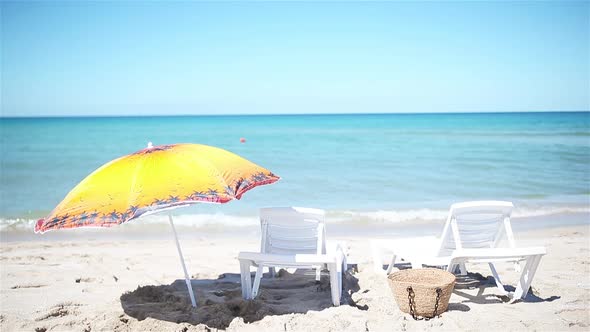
(121,280)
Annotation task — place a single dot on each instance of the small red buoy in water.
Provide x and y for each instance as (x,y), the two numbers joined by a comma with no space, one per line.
(242,140)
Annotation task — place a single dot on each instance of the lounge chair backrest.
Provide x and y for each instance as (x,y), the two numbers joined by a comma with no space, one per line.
(292,230)
(479,224)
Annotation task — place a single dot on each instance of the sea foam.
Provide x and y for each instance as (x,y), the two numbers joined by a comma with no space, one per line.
(219,221)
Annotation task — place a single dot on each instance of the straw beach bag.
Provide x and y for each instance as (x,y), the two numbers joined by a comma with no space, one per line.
(422,292)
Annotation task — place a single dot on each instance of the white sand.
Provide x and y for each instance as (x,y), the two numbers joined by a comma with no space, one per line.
(92,285)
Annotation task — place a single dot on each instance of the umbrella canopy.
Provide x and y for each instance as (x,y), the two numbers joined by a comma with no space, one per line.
(152,179)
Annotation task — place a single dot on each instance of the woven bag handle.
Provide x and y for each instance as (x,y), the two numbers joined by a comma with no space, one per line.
(412,304)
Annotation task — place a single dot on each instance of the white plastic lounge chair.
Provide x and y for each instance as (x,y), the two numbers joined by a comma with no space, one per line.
(293,237)
(471,234)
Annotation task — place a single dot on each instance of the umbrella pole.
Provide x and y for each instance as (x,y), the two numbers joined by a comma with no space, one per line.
(186,277)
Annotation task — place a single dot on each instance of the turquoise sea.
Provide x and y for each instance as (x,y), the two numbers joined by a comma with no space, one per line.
(384,168)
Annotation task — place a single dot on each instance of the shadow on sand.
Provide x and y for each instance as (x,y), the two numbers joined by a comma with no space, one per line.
(219,300)
(477,281)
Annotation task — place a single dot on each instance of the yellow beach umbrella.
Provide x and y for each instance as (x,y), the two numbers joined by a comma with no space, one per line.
(154,179)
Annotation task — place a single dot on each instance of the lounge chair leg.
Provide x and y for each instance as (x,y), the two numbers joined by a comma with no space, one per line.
(463,269)
(257,278)
(499,283)
(344,264)
(391,265)
(339,274)
(246,279)
(526,277)
(451,267)
(335,285)
(318,272)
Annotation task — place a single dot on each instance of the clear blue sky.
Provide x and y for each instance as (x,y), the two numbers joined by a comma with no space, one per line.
(109,58)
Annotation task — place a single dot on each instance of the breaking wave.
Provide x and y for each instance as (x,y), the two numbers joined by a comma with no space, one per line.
(221,222)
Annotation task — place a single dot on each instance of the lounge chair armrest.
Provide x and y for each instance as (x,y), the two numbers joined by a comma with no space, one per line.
(297,259)
(499,253)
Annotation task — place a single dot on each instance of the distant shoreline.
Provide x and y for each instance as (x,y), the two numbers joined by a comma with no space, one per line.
(289,114)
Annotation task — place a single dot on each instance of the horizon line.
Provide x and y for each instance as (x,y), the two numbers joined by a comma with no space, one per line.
(275,114)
